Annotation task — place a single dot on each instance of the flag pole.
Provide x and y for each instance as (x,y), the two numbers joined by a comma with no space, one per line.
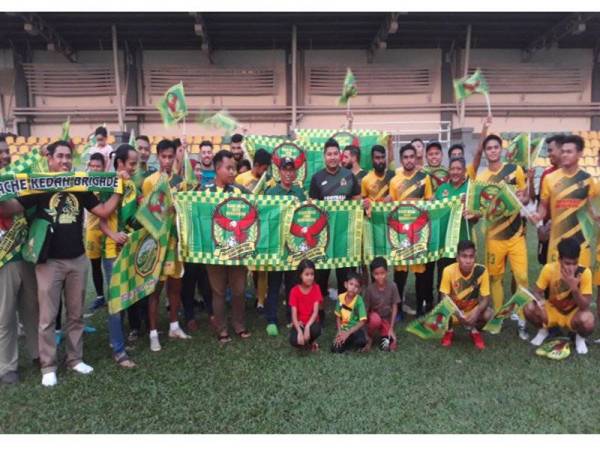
(465,72)
(489,106)
(117,77)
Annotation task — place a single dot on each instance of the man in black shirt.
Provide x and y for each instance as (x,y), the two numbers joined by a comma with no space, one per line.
(65,264)
(336,183)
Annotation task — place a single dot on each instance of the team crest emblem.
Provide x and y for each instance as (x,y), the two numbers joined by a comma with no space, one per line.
(493,204)
(438,176)
(408,232)
(309,234)
(345,138)
(488,196)
(290,150)
(156,205)
(235,228)
(146,256)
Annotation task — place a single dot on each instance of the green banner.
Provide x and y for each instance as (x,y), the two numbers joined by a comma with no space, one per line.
(137,269)
(308,157)
(28,163)
(22,184)
(512,305)
(328,233)
(436,323)
(230,229)
(364,139)
(413,232)
(12,239)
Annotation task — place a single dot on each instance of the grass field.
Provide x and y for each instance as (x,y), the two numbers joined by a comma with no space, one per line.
(263,386)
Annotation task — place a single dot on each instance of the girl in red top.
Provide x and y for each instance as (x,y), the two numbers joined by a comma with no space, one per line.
(304,301)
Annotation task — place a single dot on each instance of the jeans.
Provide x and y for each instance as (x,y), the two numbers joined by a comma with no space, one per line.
(115,323)
(275,280)
(355,341)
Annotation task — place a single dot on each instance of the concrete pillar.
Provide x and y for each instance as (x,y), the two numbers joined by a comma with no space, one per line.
(133,68)
(595,122)
(446,83)
(20,56)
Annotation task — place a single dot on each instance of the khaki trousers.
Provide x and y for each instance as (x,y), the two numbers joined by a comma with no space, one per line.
(52,276)
(235,277)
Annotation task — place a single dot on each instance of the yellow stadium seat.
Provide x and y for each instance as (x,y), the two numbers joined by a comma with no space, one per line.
(13,149)
(154,148)
(20,140)
(76,140)
(195,148)
(593,134)
(216,148)
(196,139)
(43,140)
(31,140)
(24,149)
(225,147)
(584,134)
(10,140)
(217,140)
(111,139)
(156,139)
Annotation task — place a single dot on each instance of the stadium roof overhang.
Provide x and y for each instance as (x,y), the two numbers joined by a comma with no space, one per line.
(246,30)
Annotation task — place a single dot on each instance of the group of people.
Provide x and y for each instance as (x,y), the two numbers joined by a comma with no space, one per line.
(369,301)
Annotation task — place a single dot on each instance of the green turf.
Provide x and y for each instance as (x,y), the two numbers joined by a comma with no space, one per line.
(263,386)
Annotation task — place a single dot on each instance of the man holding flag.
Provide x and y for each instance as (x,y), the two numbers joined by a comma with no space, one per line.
(505,238)
(66,264)
(468,286)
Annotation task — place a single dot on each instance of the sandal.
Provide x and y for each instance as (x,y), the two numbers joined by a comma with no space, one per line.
(224,338)
(124,361)
(244,334)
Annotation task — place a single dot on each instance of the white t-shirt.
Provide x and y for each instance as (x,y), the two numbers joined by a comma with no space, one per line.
(104,151)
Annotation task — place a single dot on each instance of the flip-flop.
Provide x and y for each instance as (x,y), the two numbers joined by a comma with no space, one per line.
(224,338)
(244,334)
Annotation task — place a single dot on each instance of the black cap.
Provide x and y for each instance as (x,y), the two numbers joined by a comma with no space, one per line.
(287,161)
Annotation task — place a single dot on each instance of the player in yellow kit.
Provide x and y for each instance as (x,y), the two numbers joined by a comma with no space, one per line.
(411,183)
(505,240)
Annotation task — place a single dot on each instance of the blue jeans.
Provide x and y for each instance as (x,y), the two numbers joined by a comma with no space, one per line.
(115,323)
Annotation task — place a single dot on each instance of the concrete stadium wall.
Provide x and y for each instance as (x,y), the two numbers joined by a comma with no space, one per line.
(553,59)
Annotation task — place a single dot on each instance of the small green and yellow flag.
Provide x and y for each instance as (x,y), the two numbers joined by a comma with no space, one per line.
(469,85)
(221,120)
(66,130)
(518,151)
(132,138)
(514,304)
(434,324)
(190,180)
(536,145)
(173,107)
(349,89)
(505,204)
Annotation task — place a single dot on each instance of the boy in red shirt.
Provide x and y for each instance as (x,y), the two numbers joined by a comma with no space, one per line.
(305,299)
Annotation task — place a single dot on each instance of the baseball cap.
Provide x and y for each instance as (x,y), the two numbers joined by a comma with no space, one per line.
(286,162)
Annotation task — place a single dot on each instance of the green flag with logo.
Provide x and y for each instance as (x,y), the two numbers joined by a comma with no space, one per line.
(328,233)
(308,158)
(480,194)
(156,208)
(364,139)
(349,88)
(413,232)
(469,85)
(221,120)
(504,204)
(65,134)
(137,269)
(435,323)
(518,150)
(512,305)
(231,229)
(437,175)
(173,107)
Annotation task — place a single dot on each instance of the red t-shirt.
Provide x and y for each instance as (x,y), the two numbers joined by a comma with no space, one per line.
(305,303)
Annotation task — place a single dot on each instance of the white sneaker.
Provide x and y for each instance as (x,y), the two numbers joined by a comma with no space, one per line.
(540,337)
(522,330)
(408,310)
(178,333)
(49,379)
(155,344)
(83,368)
(515,317)
(580,345)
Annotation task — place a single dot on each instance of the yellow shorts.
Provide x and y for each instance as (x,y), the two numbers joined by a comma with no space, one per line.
(557,318)
(513,249)
(97,245)
(172,269)
(416,268)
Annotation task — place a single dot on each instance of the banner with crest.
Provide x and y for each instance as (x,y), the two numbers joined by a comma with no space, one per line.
(231,229)
(413,232)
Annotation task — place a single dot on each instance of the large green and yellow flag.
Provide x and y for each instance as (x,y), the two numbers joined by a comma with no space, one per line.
(173,107)
(480,194)
(518,151)
(32,162)
(349,88)
(308,158)
(328,233)
(137,269)
(13,234)
(156,208)
(413,232)
(364,139)
(512,305)
(231,229)
(469,85)
(434,324)
(221,120)
(505,204)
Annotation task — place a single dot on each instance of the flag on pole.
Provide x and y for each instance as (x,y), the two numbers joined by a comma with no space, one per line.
(190,180)
(469,85)
(589,228)
(436,323)
(66,130)
(132,138)
(173,107)
(349,89)
(505,204)
(514,304)
(480,195)
(221,120)
(536,146)
(518,151)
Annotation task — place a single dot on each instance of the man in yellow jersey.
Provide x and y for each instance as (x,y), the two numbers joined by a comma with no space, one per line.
(166,158)
(564,292)
(468,285)
(411,183)
(564,193)
(97,245)
(375,185)
(458,150)
(262,162)
(505,239)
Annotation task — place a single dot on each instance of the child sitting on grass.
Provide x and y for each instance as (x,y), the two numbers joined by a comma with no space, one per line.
(351,316)
(304,302)
(382,300)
